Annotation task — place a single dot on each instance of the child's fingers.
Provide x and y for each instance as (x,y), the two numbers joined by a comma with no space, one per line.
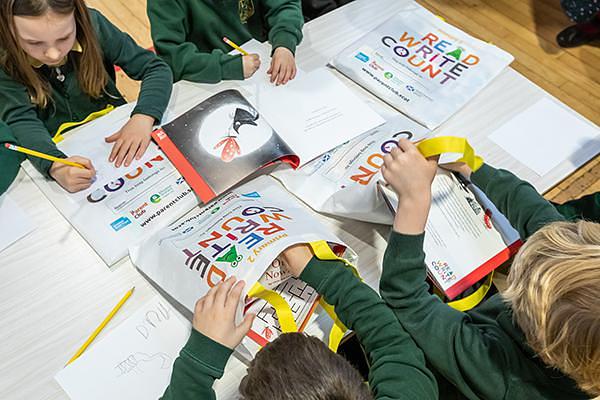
(131,153)
(122,153)
(209,297)
(223,291)
(276,72)
(286,75)
(83,161)
(243,328)
(406,145)
(82,174)
(395,153)
(113,138)
(115,151)
(234,295)
(142,149)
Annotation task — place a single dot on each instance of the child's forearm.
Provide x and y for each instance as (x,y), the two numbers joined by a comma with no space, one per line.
(397,364)
(411,216)
(525,208)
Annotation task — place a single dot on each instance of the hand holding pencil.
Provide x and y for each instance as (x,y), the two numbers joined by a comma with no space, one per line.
(250,62)
(73,179)
(73,173)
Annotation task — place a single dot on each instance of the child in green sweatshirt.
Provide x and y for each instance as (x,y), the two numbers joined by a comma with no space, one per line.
(541,339)
(296,366)
(57,66)
(188,35)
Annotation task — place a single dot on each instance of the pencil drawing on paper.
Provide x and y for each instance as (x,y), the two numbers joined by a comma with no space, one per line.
(139,363)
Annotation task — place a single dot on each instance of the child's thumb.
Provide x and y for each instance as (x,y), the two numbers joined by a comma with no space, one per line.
(112,138)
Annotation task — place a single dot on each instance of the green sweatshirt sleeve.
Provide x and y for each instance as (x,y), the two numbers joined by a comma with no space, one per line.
(139,64)
(586,207)
(200,362)
(169,29)
(526,210)
(10,161)
(454,346)
(285,22)
(17,111)
(397,366)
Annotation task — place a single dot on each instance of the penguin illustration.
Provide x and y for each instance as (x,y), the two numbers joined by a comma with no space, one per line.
(231,148)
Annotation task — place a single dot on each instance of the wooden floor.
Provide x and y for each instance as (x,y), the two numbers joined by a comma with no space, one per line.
(525,28)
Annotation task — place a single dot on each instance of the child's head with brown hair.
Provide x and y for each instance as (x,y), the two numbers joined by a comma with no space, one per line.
(44,32)
(554,292)
(298,366)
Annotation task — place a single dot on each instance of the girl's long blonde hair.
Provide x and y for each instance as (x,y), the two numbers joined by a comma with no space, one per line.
(91,74)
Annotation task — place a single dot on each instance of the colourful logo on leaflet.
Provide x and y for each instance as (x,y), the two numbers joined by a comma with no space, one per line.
(120,223)
(388,75)
(443,271)
(253,195)
(432,55)
(362,56)
(155,198)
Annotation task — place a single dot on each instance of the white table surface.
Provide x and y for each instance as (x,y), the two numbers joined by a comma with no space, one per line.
(54,289)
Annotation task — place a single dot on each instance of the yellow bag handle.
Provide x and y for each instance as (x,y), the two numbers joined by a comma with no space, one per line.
(323,252)
(58,137)
(451,144)
(282,308)
(470,301)
(284,312)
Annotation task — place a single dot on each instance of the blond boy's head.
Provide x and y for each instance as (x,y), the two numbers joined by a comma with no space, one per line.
(554,291)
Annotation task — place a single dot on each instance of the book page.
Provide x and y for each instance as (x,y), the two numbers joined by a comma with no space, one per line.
(315,113)
(134,360)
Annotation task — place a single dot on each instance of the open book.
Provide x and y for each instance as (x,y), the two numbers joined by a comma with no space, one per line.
(466,237)
(225,138)
(421,65)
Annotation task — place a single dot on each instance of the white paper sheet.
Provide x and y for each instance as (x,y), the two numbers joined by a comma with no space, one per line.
(14,223)
(545,135)
(134,361)
(315,113)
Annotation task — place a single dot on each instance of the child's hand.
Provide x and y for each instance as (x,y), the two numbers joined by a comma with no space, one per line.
(295,258)
(459,167)
(214,315)
(410,175)
(283,66)
(250,63)
(73,179)
(132,140)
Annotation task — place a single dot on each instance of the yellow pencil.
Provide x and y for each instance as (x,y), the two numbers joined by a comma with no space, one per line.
(101,326)
(41,155)
(235,46)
